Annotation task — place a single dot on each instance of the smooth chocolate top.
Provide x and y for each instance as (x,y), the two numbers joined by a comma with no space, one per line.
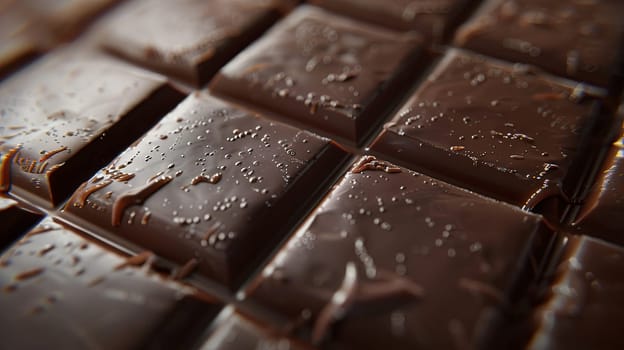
(326,71)
(206,35)
(429,18)
(395,259)
(210,186)
(61,109)
(585,306)
(498,129)
(240,332)
(601,211)
(60,291)
(576,39)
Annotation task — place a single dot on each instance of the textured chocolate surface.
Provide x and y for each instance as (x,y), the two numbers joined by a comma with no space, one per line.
(585,305)
(392,258)
(576,39)
(14,221)
(207,33)
(601,213)
(59,291)
(332,73)
(210,186)
(494,128)
(68,115)
(240,332)
(431,18)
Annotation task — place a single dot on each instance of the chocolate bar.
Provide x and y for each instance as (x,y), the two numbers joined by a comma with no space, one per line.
(399,259)
(325,71)
(210,187)
(273,174)
(68,115)
(499,129)
(59,290)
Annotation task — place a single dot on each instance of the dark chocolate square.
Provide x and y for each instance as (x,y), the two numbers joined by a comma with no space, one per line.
(329,72)
(61,291)
(188,39)
(491,127)
(210,187)
(574,39)
(394,259)
(68,115)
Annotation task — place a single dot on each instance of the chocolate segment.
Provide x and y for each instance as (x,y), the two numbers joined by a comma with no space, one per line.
(395,259)
(498,129)
(575,39)
(207,33)
(15,221)
(31,27)
(64,19)
(210,187)
(15,48)
(58,290)
(432,18)
(68,115)
(585,305)
(329,72)
(600,214)
(238,331)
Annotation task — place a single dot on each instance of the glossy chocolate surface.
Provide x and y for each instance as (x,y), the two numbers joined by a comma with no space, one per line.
(600,215)
(59,291)
(207,33)
(14,221)
(240,332)
(491,127)
(585,305)
(430,18)
(392,258)
(329,72)
(209,187)
(577,39)
(68,115)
